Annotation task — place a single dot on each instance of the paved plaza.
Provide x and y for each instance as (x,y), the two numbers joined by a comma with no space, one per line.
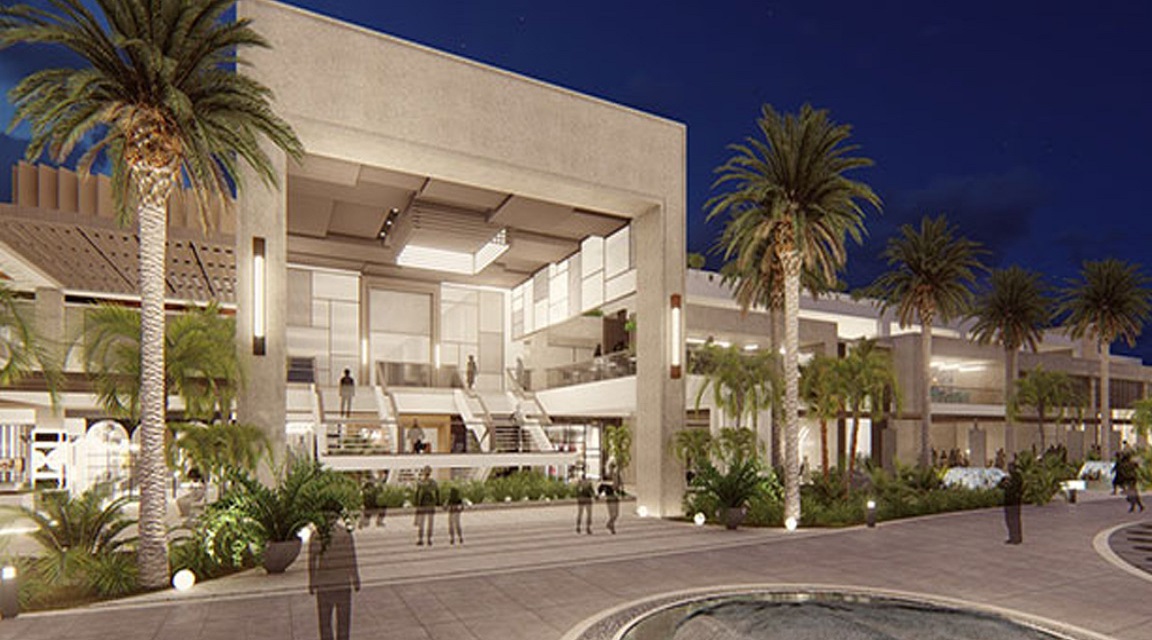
(525,574)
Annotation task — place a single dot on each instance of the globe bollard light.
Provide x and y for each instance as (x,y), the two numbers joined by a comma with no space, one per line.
(183,580)
(870,514)
(791,524)
(9,592)
(700,519)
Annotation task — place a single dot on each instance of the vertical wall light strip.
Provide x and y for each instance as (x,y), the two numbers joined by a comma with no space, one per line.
(436,356)
(675,337)
(259,297)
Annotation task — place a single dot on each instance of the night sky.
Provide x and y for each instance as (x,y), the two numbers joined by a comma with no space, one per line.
(1027,123)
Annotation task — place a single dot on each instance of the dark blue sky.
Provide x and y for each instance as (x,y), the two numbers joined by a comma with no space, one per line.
(1027,123)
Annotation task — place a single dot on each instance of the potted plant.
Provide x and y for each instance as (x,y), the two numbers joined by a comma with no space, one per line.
(730,489)
(305,494)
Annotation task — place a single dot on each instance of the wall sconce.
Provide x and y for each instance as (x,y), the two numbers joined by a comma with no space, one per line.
(675,340)
(259,297)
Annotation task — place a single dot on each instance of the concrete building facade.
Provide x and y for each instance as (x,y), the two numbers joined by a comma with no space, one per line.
(500,264)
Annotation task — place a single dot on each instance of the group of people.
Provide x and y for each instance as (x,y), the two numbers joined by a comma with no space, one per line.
(585,494)
(426,499)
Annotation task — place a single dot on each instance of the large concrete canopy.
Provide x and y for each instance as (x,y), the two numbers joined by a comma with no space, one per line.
(362,99)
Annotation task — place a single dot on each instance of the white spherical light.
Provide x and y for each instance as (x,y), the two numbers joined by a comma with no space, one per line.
(183,580)
(790,524)
(871,504)
(642,511)
(700,519)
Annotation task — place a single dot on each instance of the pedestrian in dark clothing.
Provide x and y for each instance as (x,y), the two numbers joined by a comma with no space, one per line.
(454,507)
(612,498)
(1013,487)
(1132,493)
(584,495)
(332,575)
(470,371)
(427,498)
(347,392)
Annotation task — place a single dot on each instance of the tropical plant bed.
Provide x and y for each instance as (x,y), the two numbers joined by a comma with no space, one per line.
(853,511)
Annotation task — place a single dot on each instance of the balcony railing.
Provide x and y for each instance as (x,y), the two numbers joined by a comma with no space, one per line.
(607,367)
(948,394)
(418,374)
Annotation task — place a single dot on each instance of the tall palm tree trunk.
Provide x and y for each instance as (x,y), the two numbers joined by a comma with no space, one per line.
(824,446)
(1105,404)
(1010,369)
(776,323)
(852,445)
(1040,425)
(154,186)
(925,389)
(791,263)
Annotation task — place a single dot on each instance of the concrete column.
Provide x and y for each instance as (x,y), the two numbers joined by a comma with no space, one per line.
(48,325)
(262,212)
(978,446)
(659,241)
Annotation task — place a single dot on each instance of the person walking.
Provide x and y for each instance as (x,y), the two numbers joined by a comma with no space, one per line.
(584,495)
(332,575)
(454,507)
(347,392)
(1132,493)
(427,498)
(612,499)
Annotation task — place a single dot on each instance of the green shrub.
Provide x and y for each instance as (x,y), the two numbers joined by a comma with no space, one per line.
(1042,477)
(306,493)
(85,549)
(393,496)
(517,486)
(110,575)
(909,492)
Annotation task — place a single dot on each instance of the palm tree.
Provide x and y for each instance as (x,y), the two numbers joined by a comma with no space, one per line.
(932,270)
(1013,313)
(742,384)
(159,90)
(21,352)
(201,364)
(1109,302)
(790,205)
(754,289)
(868,379)
(1044,390)
(216,449)
(821,387)
(691,447)
(1142,417)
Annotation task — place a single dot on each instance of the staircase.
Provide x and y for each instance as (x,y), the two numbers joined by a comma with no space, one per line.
(368,429)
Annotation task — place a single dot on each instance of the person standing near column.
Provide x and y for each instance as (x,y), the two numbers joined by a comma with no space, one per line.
(347,392)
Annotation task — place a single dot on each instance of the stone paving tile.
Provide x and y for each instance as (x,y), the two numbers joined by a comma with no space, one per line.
(536,581)
(515,625)
(449,631)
